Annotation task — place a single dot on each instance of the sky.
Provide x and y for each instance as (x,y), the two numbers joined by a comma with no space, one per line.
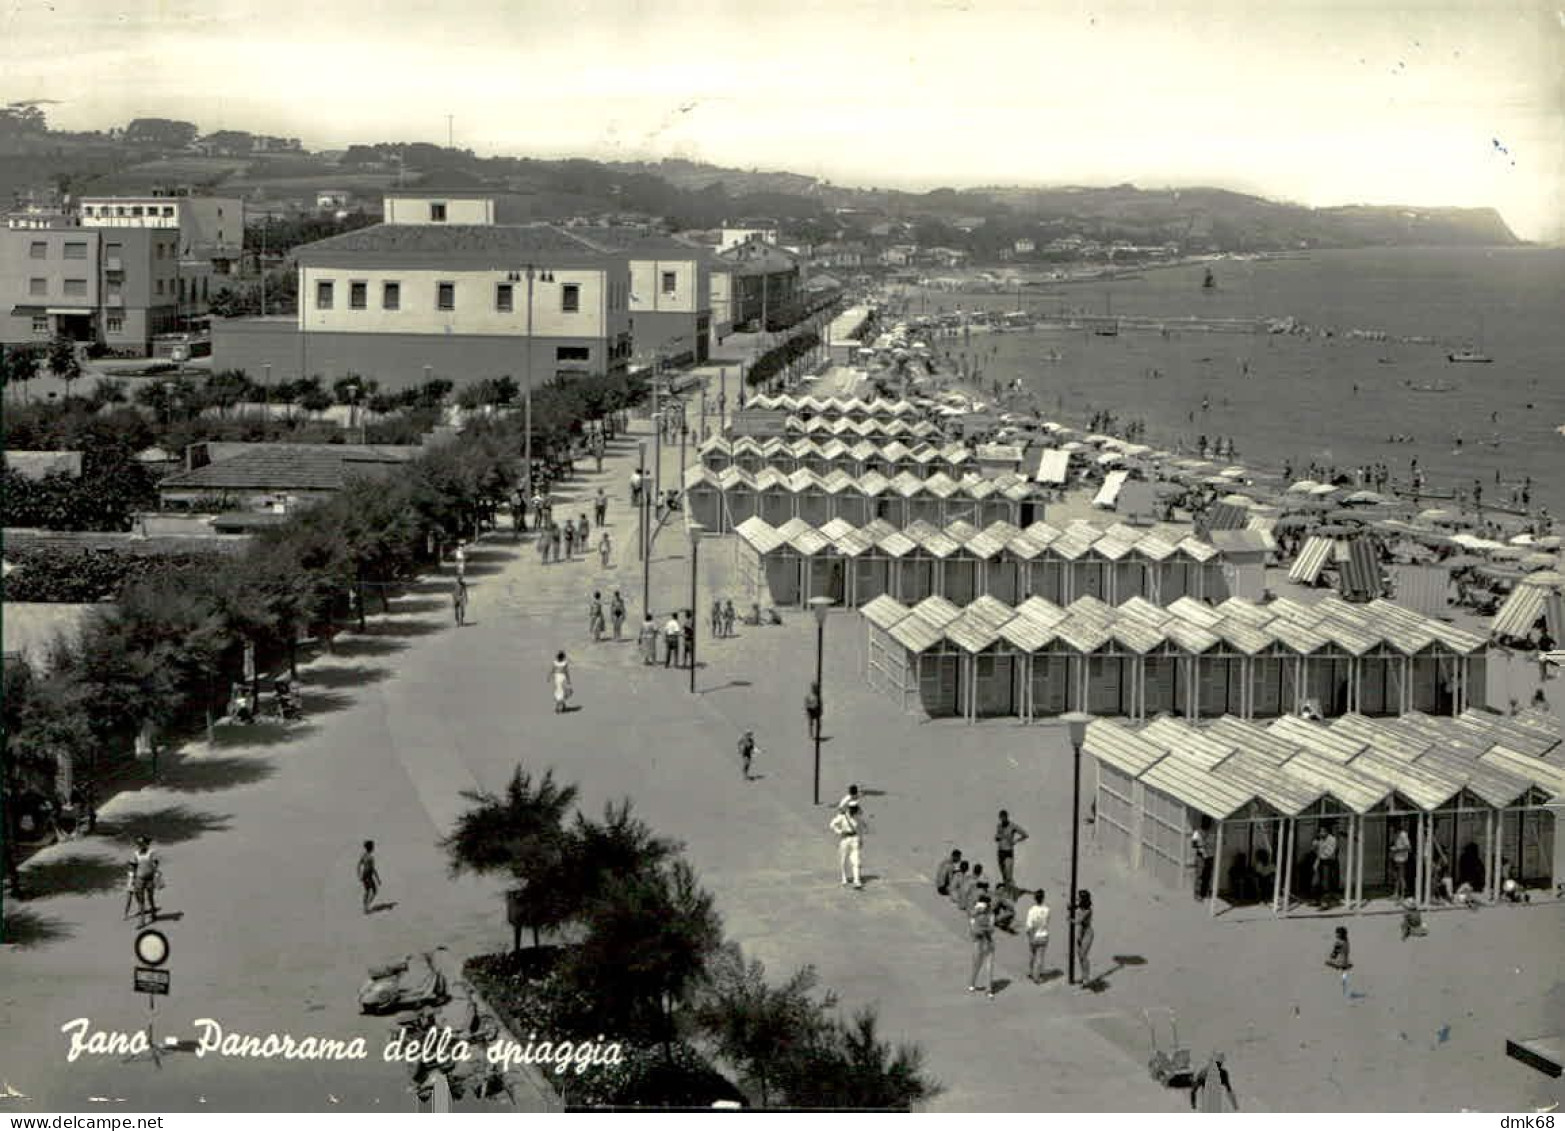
(1440,102)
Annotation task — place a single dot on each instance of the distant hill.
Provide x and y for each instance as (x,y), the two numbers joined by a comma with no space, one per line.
(690,195)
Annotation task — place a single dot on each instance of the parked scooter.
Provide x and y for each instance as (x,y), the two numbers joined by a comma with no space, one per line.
(410,984)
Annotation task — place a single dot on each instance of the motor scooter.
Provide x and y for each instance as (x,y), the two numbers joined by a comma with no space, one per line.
(409,984)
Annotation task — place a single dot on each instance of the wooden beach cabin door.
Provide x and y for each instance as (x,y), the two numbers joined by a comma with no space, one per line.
(996,685)
(938,677)
(1050,683)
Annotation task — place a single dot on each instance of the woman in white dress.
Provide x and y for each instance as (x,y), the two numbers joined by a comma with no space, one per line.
(561,677)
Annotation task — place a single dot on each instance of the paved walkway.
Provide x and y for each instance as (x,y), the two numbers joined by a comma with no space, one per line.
(260,836)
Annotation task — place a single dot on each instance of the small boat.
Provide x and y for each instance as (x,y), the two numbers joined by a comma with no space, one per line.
(1470,356)
(1210,282)
(1437,387)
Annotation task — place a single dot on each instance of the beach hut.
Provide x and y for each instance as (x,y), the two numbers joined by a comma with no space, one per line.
(996,576)
(922,570)
(1181,793)
(888,664)
(774,496)
(1535,600)
(739,497)
(935,661)
(989,665)
(1045,574)
(872,569)
(703,500)
(812,502)
(908,581)
(766,568)
(877,501)
(715,453)
(1049,666)
(745,452)
(824,570)
(1007,574)
(959,576)
(1080,576)
(866,578)
(1119,757)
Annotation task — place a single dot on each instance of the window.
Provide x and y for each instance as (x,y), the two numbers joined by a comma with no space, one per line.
(182,290)
(76,288)
(323,294)
(114,248)
(502,298)
(437,213)
(75,250)
(205,293)
(119,210)
(358,295)
(573,353)
(135,210)
(37,286)
(40,324)
(87,210)
(114,325)
(670,282)
(168,210)
(38,249)
(159,250)
(391,296)
(445,296)
(158,287)
(570,298)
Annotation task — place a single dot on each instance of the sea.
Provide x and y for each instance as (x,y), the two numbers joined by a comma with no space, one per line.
(1337,400)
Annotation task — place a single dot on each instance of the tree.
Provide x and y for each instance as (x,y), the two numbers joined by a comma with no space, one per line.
(757,1027)
(621,844)
(847,1065)
(649,935)
(63,362)
(164,133)
(521,833)
(18,365)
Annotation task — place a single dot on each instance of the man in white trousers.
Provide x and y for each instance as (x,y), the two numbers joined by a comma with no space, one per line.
(849,827)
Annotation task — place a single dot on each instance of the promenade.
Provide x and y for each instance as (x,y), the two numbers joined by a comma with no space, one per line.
(259,835)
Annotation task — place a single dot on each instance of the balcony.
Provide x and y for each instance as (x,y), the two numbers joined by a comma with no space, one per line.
(114,302)
(114,265)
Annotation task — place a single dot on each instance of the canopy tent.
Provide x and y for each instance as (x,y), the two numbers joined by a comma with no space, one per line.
(1530,602)
(1108,494)
(1053,467)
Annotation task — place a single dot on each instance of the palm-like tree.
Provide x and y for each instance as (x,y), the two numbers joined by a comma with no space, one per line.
(521,833)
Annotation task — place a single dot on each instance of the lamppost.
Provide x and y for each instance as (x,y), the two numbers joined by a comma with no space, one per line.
(820,606)
(1076,723)
(352,392)
(530,273)
(694,531)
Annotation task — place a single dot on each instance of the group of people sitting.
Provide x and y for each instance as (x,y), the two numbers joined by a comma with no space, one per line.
(964,883)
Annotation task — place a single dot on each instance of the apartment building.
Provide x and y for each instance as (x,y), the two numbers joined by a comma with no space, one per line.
(211,228)
(114,287)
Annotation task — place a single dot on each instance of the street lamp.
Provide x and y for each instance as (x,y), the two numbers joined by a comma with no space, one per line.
(820,606)
(694,532)
(1076,723)
(646,539)
(530,273)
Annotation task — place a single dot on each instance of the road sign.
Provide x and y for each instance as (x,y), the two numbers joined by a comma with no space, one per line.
(152,947)
(150,981)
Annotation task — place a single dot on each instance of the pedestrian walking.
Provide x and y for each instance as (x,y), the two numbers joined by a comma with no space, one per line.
(980,927)
(595,623)
(583,532)
(672,635)
(369,876)
(647,638)
(149,877)
(560,677)
(849,827)
(1007,835)
(604,549)
(130,889)
(1082,914)
(849,798)
(812,710)
(635,488)
(617,612)
(946,872)
(600,508)
(716,618)
(688,639)
(746,752)
(728,617)
(459,601)
(1211,1087)
(1326,866)
(1545,646)
(1036,925)
(570,539)
(461,559)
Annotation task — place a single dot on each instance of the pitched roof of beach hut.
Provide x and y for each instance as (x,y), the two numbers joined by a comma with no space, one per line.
(759,535)
(1128,751)
(980,623)
(925,624)
(884,611)
(931,538)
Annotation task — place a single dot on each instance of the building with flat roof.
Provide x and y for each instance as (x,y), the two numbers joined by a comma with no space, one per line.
(765,284)
(400,302)
(211,228)
(110,286)
(670,292)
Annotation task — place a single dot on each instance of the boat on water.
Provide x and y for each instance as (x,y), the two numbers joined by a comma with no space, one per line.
(1470,356)
(1210,282)
(1437,387)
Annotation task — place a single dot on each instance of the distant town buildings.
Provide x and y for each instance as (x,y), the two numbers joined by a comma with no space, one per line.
(749,231)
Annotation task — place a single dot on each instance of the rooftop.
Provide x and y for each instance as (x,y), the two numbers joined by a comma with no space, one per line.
(279,467)
(498,243)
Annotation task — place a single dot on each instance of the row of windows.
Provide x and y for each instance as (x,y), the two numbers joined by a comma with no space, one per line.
(74,288)
(77,288)
(76,249)
(445,296)
(130,210)
(111,325)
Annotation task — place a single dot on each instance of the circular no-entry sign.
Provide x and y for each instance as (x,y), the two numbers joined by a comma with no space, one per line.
(152,948)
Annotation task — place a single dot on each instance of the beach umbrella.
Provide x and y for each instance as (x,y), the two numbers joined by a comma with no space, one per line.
(1293,522)
(1366,498)
(1504,574)
(1522,540)
(1507,554)
(1463,561)
(1303,487)
(1547,577)
(1333,531)
(1234,471)
(1538,561)
(1551,542)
